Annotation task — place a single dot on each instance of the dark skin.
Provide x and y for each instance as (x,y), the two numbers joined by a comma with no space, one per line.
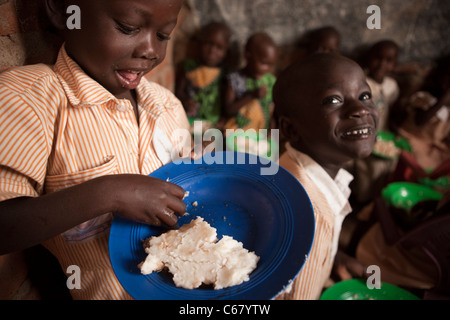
(327,40)
(382,60)
(261,55)
(119,42)
(325,110)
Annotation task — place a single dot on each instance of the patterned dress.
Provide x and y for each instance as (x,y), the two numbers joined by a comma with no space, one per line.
(204,87)
(256,114)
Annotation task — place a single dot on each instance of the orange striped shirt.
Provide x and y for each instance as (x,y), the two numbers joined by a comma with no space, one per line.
(309,283)
(59,128)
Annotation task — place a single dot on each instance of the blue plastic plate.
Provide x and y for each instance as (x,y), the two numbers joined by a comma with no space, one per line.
(270,214)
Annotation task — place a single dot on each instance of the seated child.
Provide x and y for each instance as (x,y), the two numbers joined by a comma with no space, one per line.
(426,127)
(320,40)
(427,122)
(324,108)
(381,61)
(324,39)
(79,138)
(199,79)
(248,92)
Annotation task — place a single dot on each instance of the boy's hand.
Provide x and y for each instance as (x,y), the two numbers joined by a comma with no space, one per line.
(261,92)
(148,200)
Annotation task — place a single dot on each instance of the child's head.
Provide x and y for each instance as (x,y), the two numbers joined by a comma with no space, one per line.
(324,109)
(382,59)
(261,54)
(119,40)
(325,39)
(214,42)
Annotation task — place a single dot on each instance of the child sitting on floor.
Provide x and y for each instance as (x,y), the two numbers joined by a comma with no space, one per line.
(324,108)
(248,92)
(381,61)
(427,122)
(321,40)
(80,138)
(199,80)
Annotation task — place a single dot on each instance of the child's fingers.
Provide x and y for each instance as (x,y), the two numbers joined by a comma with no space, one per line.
(176,190)
(177,206)
(168,218)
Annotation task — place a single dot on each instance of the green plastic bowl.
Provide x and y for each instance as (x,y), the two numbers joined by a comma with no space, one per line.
(399,142)
(405,195)
(357,289)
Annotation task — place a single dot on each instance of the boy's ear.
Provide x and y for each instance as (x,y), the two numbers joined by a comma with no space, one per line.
(56,12)
(288,129)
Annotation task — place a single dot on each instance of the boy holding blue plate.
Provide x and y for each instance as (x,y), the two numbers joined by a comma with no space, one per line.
(79,138)
(324,110)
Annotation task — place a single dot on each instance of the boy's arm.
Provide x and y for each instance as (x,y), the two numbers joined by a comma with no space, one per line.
(232,105)
(423,117)
(181,83)
(27,221)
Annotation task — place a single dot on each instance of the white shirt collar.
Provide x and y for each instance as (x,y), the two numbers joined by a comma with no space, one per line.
(337,191)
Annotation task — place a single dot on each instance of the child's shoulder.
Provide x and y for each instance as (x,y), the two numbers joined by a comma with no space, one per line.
(155,93)
(24,77)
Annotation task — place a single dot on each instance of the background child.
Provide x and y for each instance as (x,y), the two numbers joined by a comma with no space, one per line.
(324,39)
(426,126)
(324,109)
(427,118)
(199,79)
(319,40)
(248,92)
(80,138)
(381,61)
(372,173)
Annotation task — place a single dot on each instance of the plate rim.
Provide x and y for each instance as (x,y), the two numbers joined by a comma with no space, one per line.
(159,173)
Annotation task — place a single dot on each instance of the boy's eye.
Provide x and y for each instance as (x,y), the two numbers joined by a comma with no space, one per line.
(331,100)
(366,96)
(126,29)
(163,37)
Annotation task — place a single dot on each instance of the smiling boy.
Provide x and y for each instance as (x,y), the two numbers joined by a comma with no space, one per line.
(78,139)
(324,109)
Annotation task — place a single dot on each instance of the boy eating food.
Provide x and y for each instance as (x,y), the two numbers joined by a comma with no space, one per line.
(79,138)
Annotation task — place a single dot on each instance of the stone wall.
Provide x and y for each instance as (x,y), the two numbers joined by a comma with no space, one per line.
(420,27)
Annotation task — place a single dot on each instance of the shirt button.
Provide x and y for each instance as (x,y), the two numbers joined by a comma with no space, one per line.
(121,108)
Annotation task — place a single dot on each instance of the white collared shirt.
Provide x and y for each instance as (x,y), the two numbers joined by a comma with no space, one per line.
(337,191)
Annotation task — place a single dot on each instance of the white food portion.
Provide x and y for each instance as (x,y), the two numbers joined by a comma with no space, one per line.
(386,148)
(193,255)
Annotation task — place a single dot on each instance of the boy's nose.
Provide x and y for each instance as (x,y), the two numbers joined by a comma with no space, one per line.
(146,49)
(356,109)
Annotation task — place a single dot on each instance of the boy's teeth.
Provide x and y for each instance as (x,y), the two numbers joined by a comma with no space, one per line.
(357,132)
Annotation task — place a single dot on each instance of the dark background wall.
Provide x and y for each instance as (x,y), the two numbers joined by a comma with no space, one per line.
(420,27)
